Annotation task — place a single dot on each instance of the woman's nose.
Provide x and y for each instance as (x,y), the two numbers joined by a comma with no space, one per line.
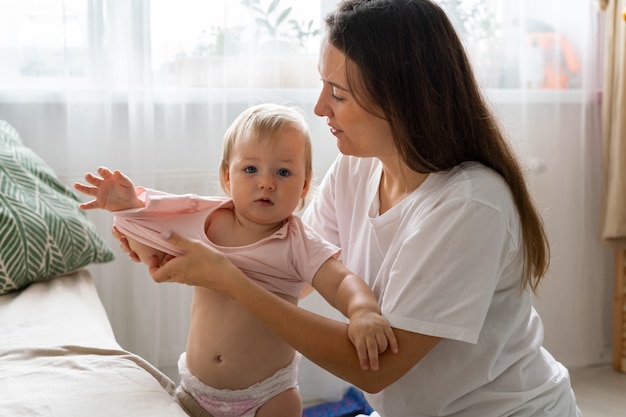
(321,108)
(317,109)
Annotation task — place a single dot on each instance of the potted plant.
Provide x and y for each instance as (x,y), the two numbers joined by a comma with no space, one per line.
(283,57)
(272,53)
(277,33)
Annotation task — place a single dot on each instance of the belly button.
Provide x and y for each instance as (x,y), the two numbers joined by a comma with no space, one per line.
(219,358)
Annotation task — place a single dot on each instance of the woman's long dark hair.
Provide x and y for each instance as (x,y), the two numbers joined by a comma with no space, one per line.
(407,65)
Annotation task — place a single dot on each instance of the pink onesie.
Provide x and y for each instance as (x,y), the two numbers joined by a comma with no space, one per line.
(280,263)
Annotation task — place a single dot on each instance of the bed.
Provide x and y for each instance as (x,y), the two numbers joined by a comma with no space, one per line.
(59,357)
(58,353)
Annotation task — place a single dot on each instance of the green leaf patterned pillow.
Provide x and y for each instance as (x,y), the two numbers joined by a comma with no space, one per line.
(43,233)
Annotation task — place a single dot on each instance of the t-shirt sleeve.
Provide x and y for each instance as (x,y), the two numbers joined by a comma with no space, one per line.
(309,250)
(161,212)
(445,274)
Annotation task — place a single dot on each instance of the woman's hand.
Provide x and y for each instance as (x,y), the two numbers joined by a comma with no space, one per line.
(200,266)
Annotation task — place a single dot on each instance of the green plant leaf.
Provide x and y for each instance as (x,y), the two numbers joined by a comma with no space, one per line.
(283,16)
(273,7)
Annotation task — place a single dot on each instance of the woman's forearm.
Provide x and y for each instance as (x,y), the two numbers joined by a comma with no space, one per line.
(322,340)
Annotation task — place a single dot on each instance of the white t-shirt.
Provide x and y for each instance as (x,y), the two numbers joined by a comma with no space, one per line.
(447,261)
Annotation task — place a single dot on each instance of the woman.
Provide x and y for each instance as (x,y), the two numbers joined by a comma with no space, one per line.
(429,205)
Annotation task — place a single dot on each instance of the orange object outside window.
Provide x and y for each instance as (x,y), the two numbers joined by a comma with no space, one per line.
(559,58)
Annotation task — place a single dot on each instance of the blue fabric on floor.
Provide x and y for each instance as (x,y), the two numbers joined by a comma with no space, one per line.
(352,403)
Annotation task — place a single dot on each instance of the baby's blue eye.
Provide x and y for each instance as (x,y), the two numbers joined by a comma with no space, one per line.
(283,172)
(250,170)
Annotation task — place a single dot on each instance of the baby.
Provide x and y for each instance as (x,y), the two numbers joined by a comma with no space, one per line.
(234,365)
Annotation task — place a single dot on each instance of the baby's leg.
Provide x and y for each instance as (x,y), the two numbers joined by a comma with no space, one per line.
(286,404)
(144,252)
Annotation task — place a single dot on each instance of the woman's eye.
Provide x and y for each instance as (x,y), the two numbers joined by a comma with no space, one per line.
(334,95)
(250,170)
(284,172)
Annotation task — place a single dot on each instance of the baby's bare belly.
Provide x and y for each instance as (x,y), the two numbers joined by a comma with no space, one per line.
(228,348)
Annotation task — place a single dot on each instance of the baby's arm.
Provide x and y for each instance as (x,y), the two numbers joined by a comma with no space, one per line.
(369,332)
(114,191)
(145,252)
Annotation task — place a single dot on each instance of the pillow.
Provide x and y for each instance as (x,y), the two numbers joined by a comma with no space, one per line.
(43,233)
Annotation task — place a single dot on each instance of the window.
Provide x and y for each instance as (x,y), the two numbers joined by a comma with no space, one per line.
(250,43)
(42,41)
(527,44)
(184,43)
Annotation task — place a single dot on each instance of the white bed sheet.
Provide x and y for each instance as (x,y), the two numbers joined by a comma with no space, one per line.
(59,357)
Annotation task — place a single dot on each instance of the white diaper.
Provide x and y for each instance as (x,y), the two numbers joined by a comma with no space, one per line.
(238,403)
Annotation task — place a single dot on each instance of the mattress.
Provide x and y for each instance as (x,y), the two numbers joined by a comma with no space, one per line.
(59,357)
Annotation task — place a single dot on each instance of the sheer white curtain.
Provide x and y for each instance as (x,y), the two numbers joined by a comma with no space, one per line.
(149,86)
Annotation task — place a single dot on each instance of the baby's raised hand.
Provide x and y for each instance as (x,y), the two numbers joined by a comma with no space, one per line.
(371,335)
(111,190)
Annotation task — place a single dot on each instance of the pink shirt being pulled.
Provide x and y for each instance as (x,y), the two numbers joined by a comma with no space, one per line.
(280,263)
